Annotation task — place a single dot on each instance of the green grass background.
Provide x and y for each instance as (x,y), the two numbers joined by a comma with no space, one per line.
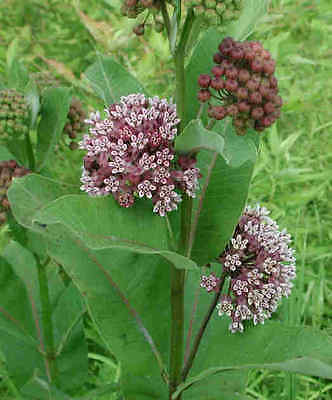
(293,176)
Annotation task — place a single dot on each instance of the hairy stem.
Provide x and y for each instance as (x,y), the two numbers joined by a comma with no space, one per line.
(202,328)
(178,276)
(177,327)
(47,319)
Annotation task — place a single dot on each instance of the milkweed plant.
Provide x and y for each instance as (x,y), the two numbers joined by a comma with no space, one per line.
(155,250)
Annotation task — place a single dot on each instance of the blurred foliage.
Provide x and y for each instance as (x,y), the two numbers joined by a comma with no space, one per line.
(293,176)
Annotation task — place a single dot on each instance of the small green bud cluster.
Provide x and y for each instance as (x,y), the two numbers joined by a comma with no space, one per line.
(44,80)
(14,114)
(8,170)
(133,8)
(216,11)
(75,122)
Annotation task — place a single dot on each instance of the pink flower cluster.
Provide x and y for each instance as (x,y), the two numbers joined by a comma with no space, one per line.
(260,266)
(130,154)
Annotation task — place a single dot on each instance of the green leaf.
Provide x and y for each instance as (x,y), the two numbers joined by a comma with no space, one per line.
(99,222)
(54,111)
(32,98)
(252,12)
(21,328)
(238,149)
(17,75)
(110,80)
(18,147)
(128,297)
(30,193)
(230,385)
(39,389)
(223,194)
(195,138)
(5,154)
(100,391)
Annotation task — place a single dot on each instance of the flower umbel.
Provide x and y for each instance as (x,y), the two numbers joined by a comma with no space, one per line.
(242,86)
(130,154)
(260,266)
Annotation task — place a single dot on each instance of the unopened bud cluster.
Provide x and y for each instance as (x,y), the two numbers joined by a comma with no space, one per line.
(130,154)
(14,114)
(217,11)
(75,122)
(133,8)
(8,170)
(259,265)
(44,80)
(242,85)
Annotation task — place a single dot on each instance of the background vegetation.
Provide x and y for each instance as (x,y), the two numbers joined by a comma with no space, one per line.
(293,176)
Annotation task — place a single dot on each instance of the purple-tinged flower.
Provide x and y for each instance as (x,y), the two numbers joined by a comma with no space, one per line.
(260,267)
(8,170)
(130,154)
(210,282)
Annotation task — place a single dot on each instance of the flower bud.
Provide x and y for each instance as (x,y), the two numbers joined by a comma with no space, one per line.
(139,30)
(204,81)
(14,113)
(75,124)
(204,95)
(8,170)
(245,84)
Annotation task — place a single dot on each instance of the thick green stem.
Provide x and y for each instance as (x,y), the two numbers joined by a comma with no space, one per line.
(178,276)
(177,327)
(46,309)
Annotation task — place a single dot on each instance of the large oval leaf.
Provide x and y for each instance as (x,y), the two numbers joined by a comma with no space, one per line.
(128,298)
(111,80)
(21,323)
(224,190)
(99,222)
(54,111)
